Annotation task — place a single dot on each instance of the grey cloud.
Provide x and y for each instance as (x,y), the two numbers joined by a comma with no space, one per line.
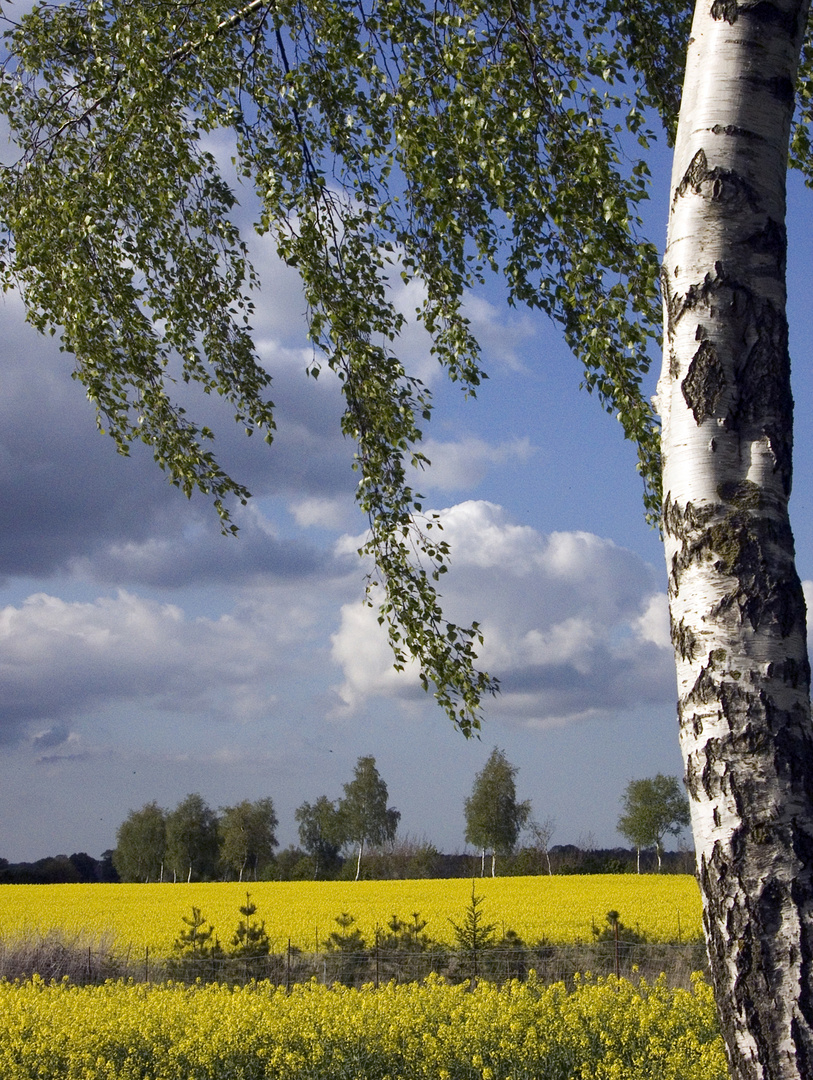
(54,736)
(462,464)
(69,663)
(603,681)
(70,500)
(53,759)
(62,486)
(206,557)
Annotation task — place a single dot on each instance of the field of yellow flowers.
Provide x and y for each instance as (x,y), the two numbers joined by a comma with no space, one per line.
(603,1030)
(560,910)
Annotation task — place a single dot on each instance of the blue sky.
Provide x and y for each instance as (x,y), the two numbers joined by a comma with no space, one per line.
(144,656)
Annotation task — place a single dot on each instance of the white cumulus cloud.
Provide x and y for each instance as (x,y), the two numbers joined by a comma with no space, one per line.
(62,660)
(573,623)
(463,464)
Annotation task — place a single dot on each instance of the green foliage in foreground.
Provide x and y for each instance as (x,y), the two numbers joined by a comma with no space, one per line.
(385,143)
(606,1030)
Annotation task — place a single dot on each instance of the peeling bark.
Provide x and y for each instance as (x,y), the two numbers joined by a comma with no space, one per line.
(737,610)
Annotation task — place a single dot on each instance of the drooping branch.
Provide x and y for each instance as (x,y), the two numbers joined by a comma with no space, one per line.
(186,50)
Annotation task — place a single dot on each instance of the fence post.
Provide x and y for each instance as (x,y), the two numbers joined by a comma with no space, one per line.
(288,968)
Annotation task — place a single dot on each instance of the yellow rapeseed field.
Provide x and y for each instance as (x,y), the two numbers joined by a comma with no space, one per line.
(604,1030)
(556,909)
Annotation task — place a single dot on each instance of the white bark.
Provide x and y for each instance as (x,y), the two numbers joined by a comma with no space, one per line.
(738,618)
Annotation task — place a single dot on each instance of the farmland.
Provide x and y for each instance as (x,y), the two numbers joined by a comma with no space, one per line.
(560,910)
(604,1030)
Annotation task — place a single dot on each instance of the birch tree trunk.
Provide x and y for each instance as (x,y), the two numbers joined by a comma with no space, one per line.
(737,610)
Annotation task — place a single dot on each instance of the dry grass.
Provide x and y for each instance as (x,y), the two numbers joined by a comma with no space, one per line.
(84,960)
(55,956)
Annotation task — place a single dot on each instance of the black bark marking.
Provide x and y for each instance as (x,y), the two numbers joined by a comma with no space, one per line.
(790,671)
(764,401)
(732,129)
(673,301)
(758,883)
(705,691)
(780,88)
(727,186)
(759,405)
(702,295)
(770,16)
(804,849)
(684,640)
(744,493)
(745,547)
(764,374)
(721,185)
(693,776)
(705,383)
(684,522)
(771,240)
(725,9)
(694,175)
(752,545)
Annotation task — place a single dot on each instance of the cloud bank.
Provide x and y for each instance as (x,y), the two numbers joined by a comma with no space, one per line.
(574,625)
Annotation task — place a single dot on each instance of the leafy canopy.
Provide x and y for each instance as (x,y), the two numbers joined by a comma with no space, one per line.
(191,838)
(321,830)
(141,844)
(653,807)
(247,834)
(494,817)
(363,812)
(384,138)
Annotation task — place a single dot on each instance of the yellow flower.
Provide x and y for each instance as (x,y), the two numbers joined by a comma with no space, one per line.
(146,918)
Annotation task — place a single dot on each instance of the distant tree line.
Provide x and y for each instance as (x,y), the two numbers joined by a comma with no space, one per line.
(59,870)
(192,842)
(407,858)
(356,836)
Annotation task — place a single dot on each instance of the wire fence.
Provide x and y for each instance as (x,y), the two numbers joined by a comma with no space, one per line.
(52,957)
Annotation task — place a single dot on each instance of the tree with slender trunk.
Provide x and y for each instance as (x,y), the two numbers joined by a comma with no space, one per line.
(321,832)
(192,840)
(494,817)
(736,604)
(141,842)
(364,814)
(247,835)
(653,807)
(541,833)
